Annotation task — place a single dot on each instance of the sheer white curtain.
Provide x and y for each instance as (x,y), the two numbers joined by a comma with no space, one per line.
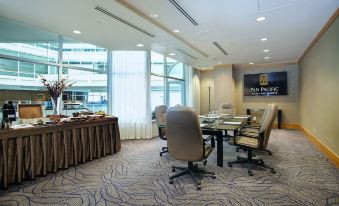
(130,81)
(193,89)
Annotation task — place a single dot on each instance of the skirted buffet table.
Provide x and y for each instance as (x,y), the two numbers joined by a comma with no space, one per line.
(30,152)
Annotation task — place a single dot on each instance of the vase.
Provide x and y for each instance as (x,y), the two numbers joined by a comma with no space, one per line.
(56,105)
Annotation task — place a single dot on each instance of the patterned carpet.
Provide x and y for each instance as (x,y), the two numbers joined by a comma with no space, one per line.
(138,176)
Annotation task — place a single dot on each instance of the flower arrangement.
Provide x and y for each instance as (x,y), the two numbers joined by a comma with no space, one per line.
(56,88)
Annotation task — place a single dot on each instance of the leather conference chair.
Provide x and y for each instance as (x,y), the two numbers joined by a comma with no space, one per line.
(254,128)
(257,141)
(185,142)
(226,109)
(160,116)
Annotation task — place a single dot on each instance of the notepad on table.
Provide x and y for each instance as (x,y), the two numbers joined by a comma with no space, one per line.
(233,123)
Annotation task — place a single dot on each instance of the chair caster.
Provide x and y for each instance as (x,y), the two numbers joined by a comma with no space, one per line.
(204,162)
(229,164)
(171,182)
(213,177)
(160,154)
(273,171)
(250,173)
(198,187)
(173,169)
(236,149)
(270,153)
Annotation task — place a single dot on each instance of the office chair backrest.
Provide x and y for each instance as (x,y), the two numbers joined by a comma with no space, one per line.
(264,115)
(267,124)
(160,114)
(184,137)
(226,108)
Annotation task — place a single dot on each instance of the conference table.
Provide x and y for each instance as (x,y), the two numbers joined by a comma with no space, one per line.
(217,126)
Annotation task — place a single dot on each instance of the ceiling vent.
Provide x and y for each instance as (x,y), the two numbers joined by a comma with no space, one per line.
(187,54)
(122,20)
(184,12)
(220,48)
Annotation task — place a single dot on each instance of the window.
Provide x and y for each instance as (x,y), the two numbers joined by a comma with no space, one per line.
(85,55)
(157,80)
(23,63)
(167,81)
(89,91)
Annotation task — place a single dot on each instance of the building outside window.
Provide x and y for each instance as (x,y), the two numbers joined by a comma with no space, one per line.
(167,81)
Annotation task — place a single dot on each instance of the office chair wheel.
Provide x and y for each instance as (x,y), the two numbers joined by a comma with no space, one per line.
(250,173)
(160,154)
(171,182)
(269,152)
(173,169)
(204,162)
(213,177)
(229,164)
(237,149)
(198,187)
(273,171)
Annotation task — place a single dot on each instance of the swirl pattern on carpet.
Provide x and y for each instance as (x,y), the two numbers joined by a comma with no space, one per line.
(137,175)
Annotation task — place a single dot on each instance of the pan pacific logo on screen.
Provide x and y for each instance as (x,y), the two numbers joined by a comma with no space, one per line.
(263,80)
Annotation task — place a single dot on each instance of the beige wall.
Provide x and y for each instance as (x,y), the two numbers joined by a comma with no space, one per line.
(319,89)
(287,103)
(220,80)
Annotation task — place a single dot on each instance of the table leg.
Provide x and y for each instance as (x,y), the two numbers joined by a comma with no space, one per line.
(220,149)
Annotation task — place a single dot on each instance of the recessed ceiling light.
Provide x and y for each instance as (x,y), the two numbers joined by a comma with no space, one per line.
(260,18)
(176,30)
(263,39)
(266,57)
(154,16)
(266,50)
(76,32)
(171,54)
(140,45)
(251,63)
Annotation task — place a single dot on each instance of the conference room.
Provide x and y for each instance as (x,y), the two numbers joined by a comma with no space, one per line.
(169,102)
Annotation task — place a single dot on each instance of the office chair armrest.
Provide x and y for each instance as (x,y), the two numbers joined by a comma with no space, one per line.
(254,135)
(251,126)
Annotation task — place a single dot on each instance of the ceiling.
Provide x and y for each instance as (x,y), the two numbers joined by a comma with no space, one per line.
(290,26)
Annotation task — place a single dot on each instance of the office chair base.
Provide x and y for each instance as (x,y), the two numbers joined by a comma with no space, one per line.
(192,170)
(164,150)
(250,161)
(244,149)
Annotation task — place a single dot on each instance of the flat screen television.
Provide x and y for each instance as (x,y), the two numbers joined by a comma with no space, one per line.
(265,84)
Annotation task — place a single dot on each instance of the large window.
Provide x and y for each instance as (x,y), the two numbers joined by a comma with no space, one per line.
(23,63)
(167,81)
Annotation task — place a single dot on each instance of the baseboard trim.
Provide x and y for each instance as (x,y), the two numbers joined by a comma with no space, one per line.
(287,126)
(333,157)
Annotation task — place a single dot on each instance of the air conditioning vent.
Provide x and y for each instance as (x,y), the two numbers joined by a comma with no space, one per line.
(187,54)
(184,12)
(122,20)
(220,48)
